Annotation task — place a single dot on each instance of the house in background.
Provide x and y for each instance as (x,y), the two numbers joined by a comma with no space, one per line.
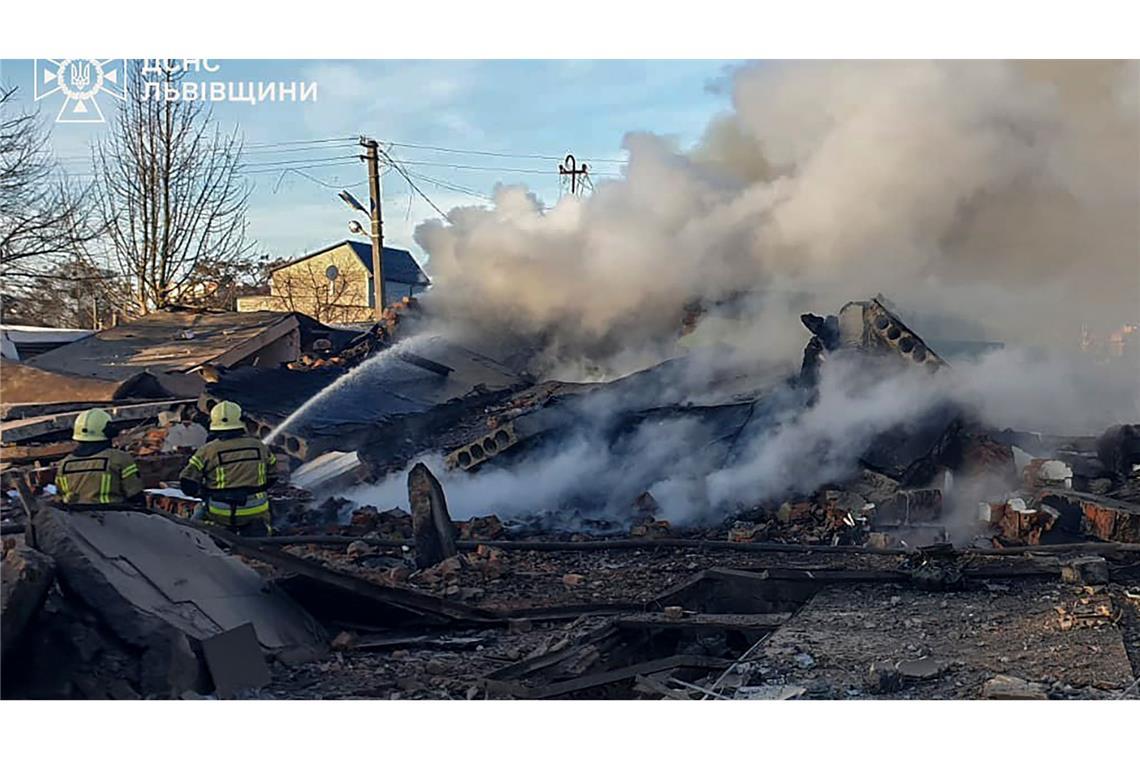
(334,284)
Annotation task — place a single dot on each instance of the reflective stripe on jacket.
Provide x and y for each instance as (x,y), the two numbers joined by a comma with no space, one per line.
(233,472)
(255,504)
(226,463)
(108,477)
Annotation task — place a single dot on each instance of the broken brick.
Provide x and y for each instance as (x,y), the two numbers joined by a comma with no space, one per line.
(1100,516)
(795,512)
(652,529)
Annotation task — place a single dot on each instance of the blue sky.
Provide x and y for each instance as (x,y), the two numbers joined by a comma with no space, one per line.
(544,108)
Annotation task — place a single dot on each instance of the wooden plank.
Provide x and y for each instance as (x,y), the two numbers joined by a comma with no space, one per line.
(629,672)
(519,670)
(652,621)
(424,641)
(47,452)
(14,431)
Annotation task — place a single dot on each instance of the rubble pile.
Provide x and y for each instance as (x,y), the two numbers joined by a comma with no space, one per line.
(950,560)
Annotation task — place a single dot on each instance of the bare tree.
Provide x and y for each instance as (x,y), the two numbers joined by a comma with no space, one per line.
(171,195)
(70,294)
(43,222)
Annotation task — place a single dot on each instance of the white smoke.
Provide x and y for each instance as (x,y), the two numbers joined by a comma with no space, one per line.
(996,191)
(1001,198)
(796,450)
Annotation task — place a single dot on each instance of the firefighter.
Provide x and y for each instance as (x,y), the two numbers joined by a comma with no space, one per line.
(96,476)
(231,473)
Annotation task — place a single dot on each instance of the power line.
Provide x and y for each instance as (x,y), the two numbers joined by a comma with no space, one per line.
(407,178)
(444,185)
(501,169)
(331,185)
(285,162)
(301,142)
(295,149)
(309,166)
(536,156)
(262,152)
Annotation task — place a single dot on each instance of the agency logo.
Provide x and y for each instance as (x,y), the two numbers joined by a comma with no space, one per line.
(80,81)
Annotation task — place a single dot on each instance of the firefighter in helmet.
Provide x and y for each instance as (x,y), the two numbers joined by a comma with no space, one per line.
(231,473)
(95,475)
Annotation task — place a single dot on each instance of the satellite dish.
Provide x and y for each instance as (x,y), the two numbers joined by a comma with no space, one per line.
(332,272)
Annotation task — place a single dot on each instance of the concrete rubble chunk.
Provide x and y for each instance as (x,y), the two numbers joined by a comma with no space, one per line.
(329,471)
(883,678)
(922,668)
(162,588)
(871,325)
(1011,687)
(1047,473)
(236,662)
(25,577)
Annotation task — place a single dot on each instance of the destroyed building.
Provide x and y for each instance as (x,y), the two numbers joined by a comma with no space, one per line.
(930,556)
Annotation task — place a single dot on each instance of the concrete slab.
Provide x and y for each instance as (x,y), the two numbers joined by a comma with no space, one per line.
(143,572)
(236,661)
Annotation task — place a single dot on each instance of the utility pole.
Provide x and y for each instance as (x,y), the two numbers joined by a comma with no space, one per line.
(372,156)
(569,168)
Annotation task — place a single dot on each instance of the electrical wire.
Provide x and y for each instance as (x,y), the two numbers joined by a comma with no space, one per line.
(536,156)
(302,142)
(286,162)
(331,185)
(501,169)
(444,185)
(351,162)
(407,178)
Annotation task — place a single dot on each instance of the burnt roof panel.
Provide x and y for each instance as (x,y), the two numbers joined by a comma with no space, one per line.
(172,340)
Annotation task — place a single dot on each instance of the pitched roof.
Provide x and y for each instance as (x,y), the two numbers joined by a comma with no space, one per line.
(399,265)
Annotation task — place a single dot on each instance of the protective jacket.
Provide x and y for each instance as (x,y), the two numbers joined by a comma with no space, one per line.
(231,472)
(96,475)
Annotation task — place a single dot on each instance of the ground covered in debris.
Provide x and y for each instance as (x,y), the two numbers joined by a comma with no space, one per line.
(939,558)
(848,640)
(851,642)
(519,579)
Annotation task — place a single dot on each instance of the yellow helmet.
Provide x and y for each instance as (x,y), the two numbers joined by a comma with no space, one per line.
(91,425)
(226,415)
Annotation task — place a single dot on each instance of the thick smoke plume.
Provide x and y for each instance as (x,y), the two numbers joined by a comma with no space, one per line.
(1004,195)
(997,200)
(792,449)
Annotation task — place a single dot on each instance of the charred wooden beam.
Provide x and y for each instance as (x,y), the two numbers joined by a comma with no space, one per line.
(657,622)
(594,680)
(432,527)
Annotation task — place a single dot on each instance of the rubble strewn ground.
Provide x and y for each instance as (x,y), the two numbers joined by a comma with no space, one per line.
(893,580)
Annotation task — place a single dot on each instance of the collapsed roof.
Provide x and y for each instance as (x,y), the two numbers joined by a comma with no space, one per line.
(171,344)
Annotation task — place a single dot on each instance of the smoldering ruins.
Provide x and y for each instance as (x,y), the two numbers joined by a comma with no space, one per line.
(840,403)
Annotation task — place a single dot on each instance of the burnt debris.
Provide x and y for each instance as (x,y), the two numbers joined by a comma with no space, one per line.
(877,562)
